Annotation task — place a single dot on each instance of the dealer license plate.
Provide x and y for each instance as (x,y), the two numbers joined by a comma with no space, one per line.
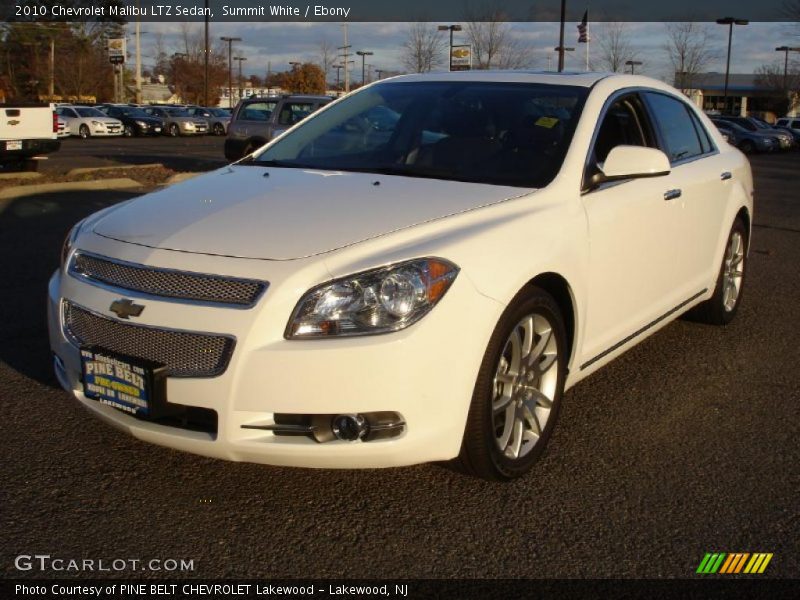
(14,145)
(125,383)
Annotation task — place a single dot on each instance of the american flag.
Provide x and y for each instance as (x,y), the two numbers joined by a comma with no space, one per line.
(583,29)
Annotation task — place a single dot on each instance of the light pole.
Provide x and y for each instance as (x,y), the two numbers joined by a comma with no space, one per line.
(363,54)
(561,50)
(230,41)
(786,50)
(632,64)
(451,29)
(175,58)
(338,70)
(240,60)
(205,58)
(730,22)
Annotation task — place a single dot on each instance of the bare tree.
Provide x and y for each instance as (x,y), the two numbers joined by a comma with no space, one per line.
(786,88)
(615,47)
(689,52)
(493,43)
(423,48)
(327,56)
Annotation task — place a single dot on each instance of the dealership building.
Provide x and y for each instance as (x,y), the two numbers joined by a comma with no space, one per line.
(748,95)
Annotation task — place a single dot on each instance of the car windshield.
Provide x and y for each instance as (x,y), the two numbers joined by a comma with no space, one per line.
(178,112)
(134,112)
(498,133)
(90,112)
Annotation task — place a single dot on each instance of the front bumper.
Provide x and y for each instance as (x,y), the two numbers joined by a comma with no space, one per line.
(425,373)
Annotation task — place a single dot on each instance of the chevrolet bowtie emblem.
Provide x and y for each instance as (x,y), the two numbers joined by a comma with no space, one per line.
(126,308)
(13,122)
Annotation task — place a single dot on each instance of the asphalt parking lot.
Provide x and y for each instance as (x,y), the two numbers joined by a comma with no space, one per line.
(685,445)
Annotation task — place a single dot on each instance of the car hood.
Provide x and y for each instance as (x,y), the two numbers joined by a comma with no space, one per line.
(283,214)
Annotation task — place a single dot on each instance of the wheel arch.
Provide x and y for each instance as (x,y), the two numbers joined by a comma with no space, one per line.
(744,215)
(558,287)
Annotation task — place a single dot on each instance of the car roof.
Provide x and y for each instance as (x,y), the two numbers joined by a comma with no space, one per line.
(576,78)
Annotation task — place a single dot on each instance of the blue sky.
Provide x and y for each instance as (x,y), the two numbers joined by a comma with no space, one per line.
(279,43)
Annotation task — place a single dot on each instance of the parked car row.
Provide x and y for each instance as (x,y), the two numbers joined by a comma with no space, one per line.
(752,135)
(131,120)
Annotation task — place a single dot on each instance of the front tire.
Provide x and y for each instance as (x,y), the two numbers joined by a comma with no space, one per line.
(722,307)
(747,147)
(174,130)
(128,131)
(219,129)
(518,390)
(84,132)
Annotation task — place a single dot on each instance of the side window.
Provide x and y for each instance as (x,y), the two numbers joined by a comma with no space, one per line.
(624,124)
(257,111)
(796,124)
(678,132)
(294,113)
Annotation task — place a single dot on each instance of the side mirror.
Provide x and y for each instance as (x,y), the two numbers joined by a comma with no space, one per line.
(632,162)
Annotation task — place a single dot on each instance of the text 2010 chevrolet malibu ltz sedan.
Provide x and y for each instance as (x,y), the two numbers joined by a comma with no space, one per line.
(415,273)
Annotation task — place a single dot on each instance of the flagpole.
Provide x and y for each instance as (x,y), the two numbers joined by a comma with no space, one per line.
(587,53)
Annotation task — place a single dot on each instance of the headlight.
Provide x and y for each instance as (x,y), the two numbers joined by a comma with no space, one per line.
(376,301)
(142,124)
(69,241)
(189,125)
(96,123)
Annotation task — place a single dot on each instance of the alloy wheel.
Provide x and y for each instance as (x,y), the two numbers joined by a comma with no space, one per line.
(733,271)
(524,386)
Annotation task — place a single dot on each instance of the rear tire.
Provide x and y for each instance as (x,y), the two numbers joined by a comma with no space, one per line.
(518,390)
(722,307)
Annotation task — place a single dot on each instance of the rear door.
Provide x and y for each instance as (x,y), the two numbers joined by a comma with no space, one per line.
(701,184)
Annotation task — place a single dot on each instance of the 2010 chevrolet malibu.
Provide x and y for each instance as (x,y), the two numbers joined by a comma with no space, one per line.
(415,273)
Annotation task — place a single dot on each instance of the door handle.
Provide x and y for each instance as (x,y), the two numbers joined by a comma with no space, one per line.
(672,194)
(725,175)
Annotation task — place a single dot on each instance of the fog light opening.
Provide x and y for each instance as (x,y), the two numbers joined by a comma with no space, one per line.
(349,427)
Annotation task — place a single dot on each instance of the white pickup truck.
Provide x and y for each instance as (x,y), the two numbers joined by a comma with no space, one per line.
(26,132)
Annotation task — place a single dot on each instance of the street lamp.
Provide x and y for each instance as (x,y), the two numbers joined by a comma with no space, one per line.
(730,22)
(230,41)
(240,60)
(451,29)
(363,54)
(786,50)
(632,64)
(175,58)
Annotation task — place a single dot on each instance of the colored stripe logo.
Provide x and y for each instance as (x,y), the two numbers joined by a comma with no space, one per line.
(734,562)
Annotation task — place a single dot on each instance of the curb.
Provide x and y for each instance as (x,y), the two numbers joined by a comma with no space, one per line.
(20,175)
(178,177)
(19,191)
(84,170)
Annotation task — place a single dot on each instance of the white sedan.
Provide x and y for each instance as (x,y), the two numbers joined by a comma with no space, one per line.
(371,297)
(86,121)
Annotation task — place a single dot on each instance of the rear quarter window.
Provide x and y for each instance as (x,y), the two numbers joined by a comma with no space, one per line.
(256,111)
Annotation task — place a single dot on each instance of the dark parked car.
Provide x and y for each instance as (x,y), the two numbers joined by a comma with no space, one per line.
(256,120)
(178,121)
(134,120)
(785,140)
(747,141)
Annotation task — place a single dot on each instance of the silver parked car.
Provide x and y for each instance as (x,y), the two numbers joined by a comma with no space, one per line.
(87,121)
(178,121)
(218,118)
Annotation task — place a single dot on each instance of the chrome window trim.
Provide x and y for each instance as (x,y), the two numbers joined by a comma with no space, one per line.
(175,299)
(76,343)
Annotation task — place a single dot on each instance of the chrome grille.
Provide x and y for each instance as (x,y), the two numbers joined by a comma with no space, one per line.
(186,354)
(182,285)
